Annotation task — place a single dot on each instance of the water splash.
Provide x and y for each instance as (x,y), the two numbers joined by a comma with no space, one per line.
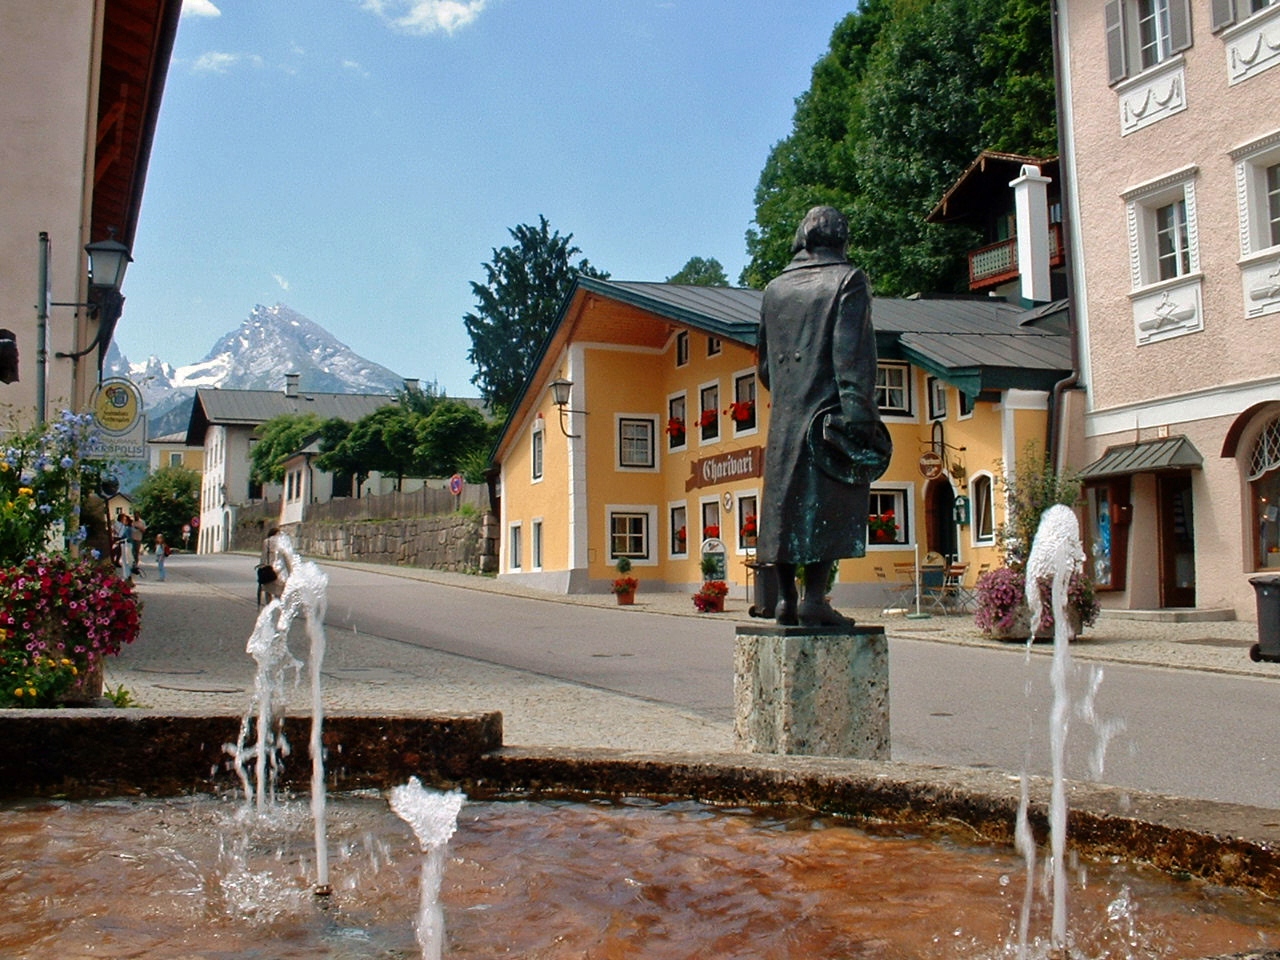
(1056,554)
(258,762)
(433,816)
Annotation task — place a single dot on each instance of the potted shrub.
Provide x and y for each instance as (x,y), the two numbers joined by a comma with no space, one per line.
(676,430)
(710,596)
(624,587)
(711,532)
(749,530)
(710,566)
(1003,612)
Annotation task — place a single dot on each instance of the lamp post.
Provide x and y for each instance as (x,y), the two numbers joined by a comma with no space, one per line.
(108,260)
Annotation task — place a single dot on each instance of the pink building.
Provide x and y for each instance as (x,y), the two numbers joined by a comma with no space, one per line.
(1171,167)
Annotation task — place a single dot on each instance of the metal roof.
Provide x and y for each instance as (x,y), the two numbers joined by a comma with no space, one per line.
(1149,456)
(732,312)
(254,407)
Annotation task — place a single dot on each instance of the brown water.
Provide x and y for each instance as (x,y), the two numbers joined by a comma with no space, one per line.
(199,878)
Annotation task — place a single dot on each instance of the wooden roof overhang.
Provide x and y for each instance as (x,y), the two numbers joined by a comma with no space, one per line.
(137,42)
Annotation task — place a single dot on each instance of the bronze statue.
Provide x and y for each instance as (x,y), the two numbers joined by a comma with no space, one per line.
(826,440)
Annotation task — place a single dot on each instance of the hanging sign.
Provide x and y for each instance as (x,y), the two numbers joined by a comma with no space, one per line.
(725,467)
(930,465)
(117,410)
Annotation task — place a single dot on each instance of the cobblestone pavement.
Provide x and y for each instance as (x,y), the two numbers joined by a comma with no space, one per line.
(191,655)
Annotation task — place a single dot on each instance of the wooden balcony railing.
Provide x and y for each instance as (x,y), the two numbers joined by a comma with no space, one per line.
(997,263)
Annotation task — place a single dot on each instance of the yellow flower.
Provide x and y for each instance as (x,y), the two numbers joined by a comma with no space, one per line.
(31,691)
(18,692)
(25,491)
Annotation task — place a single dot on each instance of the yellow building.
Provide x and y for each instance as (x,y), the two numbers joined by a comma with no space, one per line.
(657,454)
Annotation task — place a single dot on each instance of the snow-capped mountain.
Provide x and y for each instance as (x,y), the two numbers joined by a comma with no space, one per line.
(273,341)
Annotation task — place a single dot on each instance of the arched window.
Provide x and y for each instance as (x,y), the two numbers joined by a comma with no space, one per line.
(983,521)
(1264,486)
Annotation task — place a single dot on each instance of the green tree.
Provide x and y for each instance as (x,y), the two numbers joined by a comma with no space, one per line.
(278,438)
(701,272)
(383,441)
(516,307)
(450,437)
(908,94)
(167,499)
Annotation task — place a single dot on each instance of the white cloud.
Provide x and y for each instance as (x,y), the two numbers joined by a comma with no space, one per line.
(423,17)
(284,284)
(215,62)
(200,8)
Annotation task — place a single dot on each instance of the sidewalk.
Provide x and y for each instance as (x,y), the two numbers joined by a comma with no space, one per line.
(191,656)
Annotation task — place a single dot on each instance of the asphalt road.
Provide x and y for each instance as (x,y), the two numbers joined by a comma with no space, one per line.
(1175,731)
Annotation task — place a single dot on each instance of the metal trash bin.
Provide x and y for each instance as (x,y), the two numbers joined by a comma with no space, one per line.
(1268,645)
(764,593)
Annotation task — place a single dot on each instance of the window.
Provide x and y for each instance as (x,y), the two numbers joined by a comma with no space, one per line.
(983,520)
(1162,228)
(888,515)
(967,403)
(743,409)
(1227,12)
(535,452)
(1107,515)
(635,443)
(893,389)
(682,348)
(747,523)
(175,459)
(514,547)
(1264,484)
(1273,204)
(1173,256)
(677,438)
(679,518)
(1258,193)
(1143,33)
(628,535)
(937,399)
(536,560)
(709,419)
(710,519)
(713,346)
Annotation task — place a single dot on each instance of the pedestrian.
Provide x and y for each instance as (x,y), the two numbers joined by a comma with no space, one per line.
(137,535)
(273,565)
(826,442)
(122,540)
(162,552)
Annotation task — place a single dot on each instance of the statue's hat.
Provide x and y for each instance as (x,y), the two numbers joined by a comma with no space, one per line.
(853,452)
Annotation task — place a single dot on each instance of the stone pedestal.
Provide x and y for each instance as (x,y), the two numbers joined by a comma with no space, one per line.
(812,691)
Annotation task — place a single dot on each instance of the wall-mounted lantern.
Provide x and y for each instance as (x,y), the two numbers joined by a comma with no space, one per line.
(560,391)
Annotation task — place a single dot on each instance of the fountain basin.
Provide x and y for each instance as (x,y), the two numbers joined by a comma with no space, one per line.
(92,753)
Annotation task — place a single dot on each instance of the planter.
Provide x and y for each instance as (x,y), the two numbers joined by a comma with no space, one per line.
(749,541)
(626,599)
(87,688)
(881,536)
(714,605)
(1021,627)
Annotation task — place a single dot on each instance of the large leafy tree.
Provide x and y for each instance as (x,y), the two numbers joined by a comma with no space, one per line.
(451,437)
(167,499)
(908,94)
(279,438)
(702,272)
(516,307)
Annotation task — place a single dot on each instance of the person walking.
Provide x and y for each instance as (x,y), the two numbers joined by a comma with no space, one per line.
(273,565)
(162,553)
(137,534)
(123,541)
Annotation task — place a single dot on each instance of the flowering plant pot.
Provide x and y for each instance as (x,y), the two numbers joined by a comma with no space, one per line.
(676,430)
(1003,612)
(882,528)
(742,411)
(624,588)
(710,532)
(710,596)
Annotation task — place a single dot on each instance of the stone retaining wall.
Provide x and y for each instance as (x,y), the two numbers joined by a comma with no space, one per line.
(454,541)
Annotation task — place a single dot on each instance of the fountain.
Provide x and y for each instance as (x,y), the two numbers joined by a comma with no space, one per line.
(671,862)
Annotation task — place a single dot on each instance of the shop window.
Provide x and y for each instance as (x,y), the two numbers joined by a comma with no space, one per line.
(1108,515)
(1264,486)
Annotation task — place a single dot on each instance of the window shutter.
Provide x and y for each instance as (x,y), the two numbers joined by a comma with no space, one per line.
(1223,14)
(1115,42)
(1179,24)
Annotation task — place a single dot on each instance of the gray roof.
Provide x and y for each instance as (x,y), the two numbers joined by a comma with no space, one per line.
(253,407)
(975,343)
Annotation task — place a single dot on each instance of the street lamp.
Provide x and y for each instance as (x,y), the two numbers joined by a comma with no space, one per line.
(560,397)
(108,260)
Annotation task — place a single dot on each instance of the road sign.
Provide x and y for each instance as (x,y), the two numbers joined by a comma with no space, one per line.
(456,483)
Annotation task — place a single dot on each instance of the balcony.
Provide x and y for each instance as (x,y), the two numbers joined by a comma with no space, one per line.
(997,263)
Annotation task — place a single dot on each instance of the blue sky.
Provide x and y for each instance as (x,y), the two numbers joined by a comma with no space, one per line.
(359,160)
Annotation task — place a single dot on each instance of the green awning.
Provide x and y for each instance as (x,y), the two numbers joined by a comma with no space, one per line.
(1149,456)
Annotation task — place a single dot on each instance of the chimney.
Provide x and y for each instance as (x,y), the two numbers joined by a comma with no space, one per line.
(291,385)
(1031,209)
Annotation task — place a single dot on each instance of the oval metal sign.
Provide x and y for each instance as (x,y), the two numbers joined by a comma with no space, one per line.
(930,465)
